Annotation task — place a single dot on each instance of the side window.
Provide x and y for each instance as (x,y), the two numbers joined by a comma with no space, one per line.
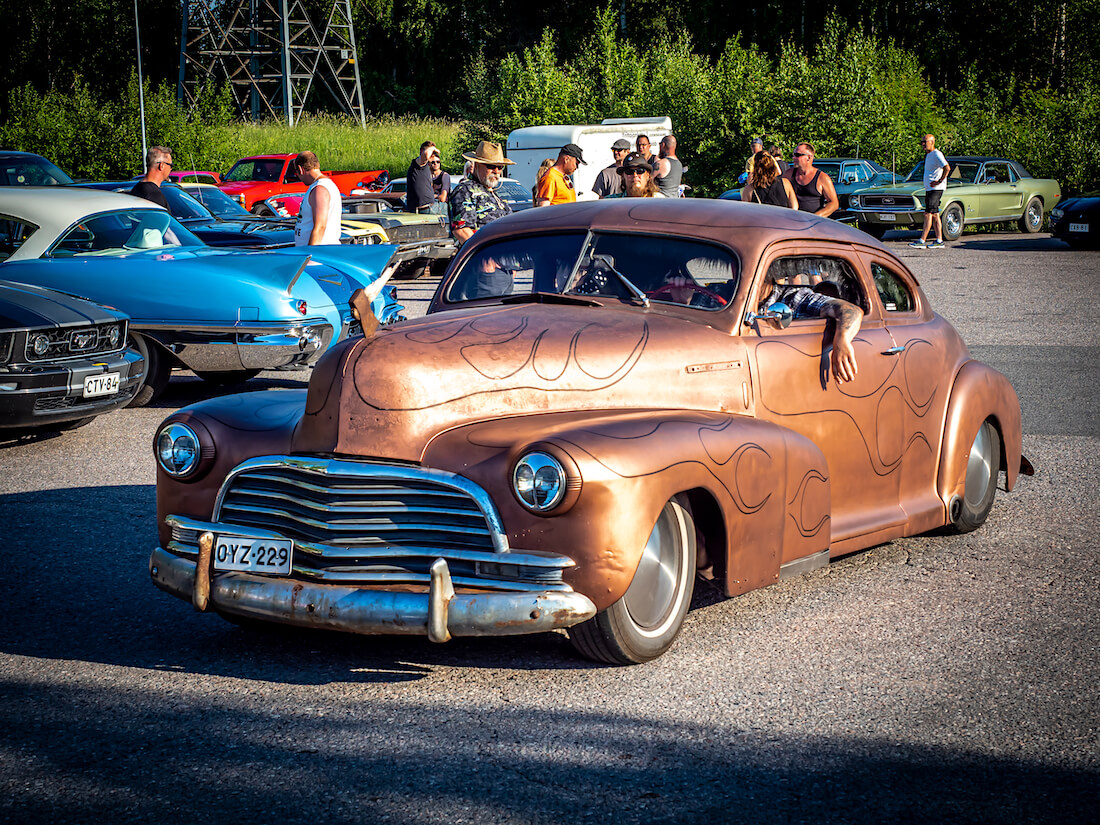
(856,170)
(290,176)
(12,235)
(997,172)
(892,290)
(795,282)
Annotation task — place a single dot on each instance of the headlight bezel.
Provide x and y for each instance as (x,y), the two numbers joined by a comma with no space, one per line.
(543,456)
(202,453)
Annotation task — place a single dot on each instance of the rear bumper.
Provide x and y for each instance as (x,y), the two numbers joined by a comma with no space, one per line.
(247,345)
(439,613)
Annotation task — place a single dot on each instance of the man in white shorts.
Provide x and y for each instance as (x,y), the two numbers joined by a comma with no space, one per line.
(936,170)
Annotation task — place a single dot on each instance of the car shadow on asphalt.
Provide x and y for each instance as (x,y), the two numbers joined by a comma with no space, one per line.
(81,590)
(87,752)
(1010,242)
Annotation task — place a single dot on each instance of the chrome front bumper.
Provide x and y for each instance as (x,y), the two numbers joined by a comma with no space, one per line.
(439,613)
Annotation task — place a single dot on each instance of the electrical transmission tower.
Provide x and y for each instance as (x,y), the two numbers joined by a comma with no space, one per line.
(271,53)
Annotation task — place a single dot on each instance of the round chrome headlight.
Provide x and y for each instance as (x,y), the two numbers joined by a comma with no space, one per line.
(539,481)
(1056,213)
(40,344)
(114,336)
(178,450)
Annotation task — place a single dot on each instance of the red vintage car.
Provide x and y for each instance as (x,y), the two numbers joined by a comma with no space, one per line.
(253,180)
(605,400)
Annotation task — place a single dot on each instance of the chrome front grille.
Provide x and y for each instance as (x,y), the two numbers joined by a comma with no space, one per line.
(378,524)
(889,203)
(356,511)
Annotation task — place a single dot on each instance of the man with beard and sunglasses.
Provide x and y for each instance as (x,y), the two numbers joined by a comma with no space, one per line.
(474,202)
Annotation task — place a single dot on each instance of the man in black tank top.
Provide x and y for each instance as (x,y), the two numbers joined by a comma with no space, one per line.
(812,187)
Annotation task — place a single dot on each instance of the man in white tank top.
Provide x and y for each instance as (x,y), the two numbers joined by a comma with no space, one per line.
(319,218)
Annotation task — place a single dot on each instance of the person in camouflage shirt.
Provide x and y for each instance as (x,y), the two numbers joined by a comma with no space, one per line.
(474,202)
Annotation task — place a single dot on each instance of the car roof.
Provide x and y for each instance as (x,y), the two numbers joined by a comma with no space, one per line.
(63,205)
(701,218)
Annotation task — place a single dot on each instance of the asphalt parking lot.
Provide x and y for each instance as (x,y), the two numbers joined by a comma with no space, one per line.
(939,678)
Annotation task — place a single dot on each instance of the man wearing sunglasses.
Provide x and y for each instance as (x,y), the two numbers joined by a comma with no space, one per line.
(158,166)
(812,187)
(637,174)
(474,202)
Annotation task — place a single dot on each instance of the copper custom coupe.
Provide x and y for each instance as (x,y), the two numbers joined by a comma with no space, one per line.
(596,409)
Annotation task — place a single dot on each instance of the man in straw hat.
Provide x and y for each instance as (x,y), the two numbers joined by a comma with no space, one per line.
(474,202)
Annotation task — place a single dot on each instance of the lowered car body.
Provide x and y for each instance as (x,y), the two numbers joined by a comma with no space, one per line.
(595,408)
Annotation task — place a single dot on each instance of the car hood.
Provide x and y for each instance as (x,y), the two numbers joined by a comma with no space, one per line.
(1080,204)
(239,233)
(23,306)
(895,189)
(391,394)
(236,187)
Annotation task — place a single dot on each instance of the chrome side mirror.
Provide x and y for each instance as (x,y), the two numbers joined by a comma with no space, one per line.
(778,312)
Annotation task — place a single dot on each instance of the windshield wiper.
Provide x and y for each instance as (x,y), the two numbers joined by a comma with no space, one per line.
(605,262)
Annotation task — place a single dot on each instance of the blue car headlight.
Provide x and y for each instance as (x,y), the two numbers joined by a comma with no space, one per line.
(178,450)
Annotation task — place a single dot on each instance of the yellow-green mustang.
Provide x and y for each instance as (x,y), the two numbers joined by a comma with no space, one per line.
(979,190)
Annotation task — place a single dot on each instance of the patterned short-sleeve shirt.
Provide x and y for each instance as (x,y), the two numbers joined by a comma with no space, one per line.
(803,301)
(471,206)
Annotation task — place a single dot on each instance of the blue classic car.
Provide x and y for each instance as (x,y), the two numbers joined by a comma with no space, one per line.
(225,314)
(848,175)
(1077,220)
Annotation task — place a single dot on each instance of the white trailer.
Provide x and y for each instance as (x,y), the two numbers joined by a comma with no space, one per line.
(530,145)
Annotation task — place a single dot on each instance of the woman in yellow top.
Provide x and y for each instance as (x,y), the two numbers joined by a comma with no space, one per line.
(554,187)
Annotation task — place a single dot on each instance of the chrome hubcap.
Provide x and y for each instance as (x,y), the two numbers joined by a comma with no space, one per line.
(979,468)
(1034,216)
(952,220)
(654,594)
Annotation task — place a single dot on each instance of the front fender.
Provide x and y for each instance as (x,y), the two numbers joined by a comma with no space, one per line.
(770,485)
(234,428)
(979,393)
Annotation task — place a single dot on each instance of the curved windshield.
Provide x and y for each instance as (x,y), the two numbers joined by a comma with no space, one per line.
(122,232)
(628,267)
(260,169)
(218,202)
(181,205)
(31,171)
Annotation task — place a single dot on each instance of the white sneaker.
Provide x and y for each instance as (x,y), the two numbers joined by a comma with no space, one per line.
(919,245)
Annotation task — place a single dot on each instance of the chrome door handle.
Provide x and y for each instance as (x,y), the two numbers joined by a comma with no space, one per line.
(894,351)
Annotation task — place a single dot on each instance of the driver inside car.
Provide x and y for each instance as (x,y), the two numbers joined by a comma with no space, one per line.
(806,302)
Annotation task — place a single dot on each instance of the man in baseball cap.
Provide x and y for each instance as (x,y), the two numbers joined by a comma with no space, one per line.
(556,187)
(609,182)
